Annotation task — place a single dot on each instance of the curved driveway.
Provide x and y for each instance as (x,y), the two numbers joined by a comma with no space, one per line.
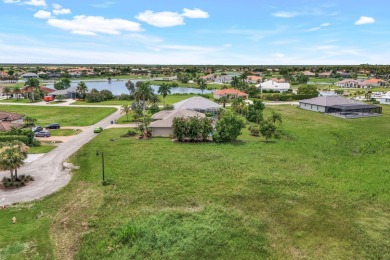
(48,171)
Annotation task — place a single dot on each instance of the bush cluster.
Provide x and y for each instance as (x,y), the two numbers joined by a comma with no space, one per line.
(192,128)
(20,181)
(98,96)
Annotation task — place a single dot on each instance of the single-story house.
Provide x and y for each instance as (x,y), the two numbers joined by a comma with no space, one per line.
(254,79)
(27,90)
(230,93)
(275,86)
(385,99)
(308,73)
(344,74)
(29,75)
(348,83)
(164,120)
(340,106)
(70,92)
(324,74)
(199,104)
(9,120)
(372,83)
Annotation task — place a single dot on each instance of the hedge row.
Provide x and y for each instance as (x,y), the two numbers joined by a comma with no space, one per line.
(286,97)
(10,138)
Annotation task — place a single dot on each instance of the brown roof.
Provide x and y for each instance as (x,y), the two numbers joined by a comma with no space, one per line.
(44,89)
(6,116)
(6,126)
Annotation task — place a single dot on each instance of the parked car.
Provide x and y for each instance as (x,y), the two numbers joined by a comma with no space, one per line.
(53,126)
(98,130)
(48,98)
(37,129)
(43,134)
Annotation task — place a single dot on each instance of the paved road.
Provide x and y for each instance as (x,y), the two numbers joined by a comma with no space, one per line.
(48,170)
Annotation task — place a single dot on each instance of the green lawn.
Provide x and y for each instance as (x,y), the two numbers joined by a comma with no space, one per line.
(43,148)
(320,192)
(64,132)
(66,116)
(14,100)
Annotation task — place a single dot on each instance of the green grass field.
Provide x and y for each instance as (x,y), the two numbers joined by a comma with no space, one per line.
(43,148)
(14,100)
(320,192)
(66,116)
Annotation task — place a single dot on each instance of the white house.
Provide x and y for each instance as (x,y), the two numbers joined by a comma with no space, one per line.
(275,86)
(385,99)
(348,83)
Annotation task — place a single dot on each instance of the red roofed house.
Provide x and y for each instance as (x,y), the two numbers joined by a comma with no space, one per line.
(9,120)
(372,83)
(43,89)
(254,79)
(230,93)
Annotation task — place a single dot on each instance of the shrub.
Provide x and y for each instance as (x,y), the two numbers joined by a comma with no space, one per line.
(168,107)
(228,128)
(254,130)
(193,128)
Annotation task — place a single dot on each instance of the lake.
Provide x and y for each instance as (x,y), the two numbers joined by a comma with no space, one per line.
(118,87)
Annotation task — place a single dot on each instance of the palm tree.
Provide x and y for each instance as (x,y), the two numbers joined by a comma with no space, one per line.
(223,100)
(202,84)
(144,93)
(17,92)
(6,91)
(12,156)
(130,86)
(275,117)
(125,109)
(164,90)
(82,89)
(154,100)
(238,105)
(235,82)
(33,84)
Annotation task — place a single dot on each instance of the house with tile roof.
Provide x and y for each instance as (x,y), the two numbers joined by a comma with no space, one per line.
(10,120)
(230,93)
(369,83)
(348,83)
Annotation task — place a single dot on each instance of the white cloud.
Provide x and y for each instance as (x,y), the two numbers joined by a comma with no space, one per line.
(90,25)
(195,13)
(365,20)
(161,19)
(189,48)
(11,1)
(285,14)
(36,2)
(313,29)
(42,14)
(103,5)
(169,19)
(59,10)
(325,24)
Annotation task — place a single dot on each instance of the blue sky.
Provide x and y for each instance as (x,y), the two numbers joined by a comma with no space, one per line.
(195,32)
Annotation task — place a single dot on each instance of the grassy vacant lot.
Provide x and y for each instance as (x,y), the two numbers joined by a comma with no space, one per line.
(14,100)
(320,192)
(66,116)
(64,132)
(43,148)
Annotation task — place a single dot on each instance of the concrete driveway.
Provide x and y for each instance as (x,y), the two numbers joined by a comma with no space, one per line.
(48,171)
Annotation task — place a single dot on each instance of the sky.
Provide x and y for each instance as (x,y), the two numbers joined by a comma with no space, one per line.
(211,32)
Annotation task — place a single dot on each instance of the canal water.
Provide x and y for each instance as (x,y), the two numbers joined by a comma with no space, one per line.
(118,87)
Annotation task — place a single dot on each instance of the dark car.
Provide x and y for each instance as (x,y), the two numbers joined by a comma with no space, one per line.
(53,126)
(43,134)
(37,129)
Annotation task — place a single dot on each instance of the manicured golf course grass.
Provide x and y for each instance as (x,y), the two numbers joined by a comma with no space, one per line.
(65,116)
(320,192)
